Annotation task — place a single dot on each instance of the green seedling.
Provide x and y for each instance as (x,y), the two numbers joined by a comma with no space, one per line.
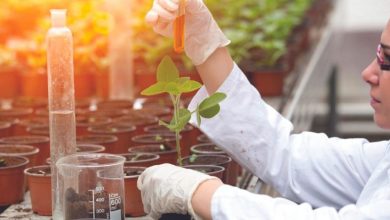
(169,81)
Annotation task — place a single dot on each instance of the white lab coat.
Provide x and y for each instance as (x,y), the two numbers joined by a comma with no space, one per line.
(319,177)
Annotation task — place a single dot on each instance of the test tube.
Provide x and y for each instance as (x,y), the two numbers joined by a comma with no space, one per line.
(62,120)
(179,29)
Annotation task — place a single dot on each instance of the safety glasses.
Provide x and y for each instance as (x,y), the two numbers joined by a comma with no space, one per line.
(383,63)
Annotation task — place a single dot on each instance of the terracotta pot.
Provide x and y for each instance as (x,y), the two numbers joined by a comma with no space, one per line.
(16,113)
(34,84)
(12,183)
(122,131)
(138,120)
(40,142)
(141,159)
(9,83)
(269,82)
(5,129)
(110,113)
(115,104)
(203,139)
(108,141)
(219,160)
(39,130)
(133,200)
(21,126)
(90,148)
(167,154)
(187,137)
(29,102)
(85,121)
(39,181)
(30,152)
(211,149)
(84,85)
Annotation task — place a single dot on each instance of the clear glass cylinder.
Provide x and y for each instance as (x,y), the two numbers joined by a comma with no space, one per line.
(93,186)
(62,120)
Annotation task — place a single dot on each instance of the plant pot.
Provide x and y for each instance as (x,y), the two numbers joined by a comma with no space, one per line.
(110,113)
(34,84)
(122,131)
(30,152)
(115,104)
(43,130)
(12,183)
(212,149)
(108,141)
(269,82)
(83,85)
(21,126)
(141,159)
(40,142)
(90,148)
(16,113)
(133,205)
(39,181)
(5,129)
(85,121)
(202,138)
(167,154)
(138,120)
(9,83)
(218,160)
(29,102)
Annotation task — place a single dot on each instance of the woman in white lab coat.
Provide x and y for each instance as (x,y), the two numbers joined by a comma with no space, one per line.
(319,177)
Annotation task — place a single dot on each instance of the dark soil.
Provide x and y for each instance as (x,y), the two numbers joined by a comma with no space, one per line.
(10,161)
(205,160)
(45,171)
(79,206)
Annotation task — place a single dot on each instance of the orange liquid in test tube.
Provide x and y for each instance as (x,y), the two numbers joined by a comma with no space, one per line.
(179,29)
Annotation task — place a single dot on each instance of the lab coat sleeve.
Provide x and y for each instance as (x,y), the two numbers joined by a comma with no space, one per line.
(231,203)
(307,167)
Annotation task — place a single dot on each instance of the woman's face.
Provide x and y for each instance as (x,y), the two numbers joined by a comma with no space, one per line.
(377,75)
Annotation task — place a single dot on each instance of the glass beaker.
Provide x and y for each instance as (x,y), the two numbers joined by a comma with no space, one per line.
(91,186)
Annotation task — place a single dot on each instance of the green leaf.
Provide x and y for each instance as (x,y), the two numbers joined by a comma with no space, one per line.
(210,112)
(154,89)
(209,107)
(183,118)
(189,86)
(167,71)
(172,88)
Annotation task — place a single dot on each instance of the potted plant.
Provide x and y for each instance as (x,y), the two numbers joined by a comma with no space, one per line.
(133,204)
(39,182)
(12,179)
(169,81)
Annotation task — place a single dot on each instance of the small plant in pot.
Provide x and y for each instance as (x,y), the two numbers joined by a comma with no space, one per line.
(169,81)
(12,179)
(39,181)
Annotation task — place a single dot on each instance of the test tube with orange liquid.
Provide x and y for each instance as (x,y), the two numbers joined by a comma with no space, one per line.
(179,29)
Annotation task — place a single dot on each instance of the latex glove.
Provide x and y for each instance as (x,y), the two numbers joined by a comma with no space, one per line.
(167,188)
(202,34)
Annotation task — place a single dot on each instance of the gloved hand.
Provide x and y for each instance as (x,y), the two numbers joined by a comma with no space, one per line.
(202,34)
(167,188)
